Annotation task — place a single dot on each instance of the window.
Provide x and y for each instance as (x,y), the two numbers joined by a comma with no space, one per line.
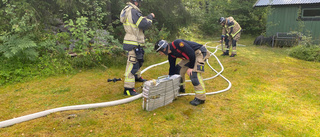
(310,14)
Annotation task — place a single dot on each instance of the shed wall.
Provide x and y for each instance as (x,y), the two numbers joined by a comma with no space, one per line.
(284,19)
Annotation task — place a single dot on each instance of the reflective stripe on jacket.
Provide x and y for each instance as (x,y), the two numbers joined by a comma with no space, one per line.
(134,24)
(231,26)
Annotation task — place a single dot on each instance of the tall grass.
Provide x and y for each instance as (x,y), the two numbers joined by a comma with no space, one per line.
(272,94)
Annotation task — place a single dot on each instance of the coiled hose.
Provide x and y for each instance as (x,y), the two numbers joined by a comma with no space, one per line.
(13,121)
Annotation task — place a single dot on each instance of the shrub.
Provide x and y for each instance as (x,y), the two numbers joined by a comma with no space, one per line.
(306,52)
(21,48)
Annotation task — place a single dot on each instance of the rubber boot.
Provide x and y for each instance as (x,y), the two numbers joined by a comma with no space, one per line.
(130,92)
(196,102)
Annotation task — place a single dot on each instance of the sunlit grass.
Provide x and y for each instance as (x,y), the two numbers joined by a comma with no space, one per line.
(271,95)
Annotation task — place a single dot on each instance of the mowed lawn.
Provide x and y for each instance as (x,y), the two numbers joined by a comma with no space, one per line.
(272,94)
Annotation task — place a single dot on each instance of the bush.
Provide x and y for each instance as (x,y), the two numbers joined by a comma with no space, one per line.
(14,70)
(308,53)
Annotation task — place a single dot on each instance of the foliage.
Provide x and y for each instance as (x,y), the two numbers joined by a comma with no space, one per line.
(19,71)
(153,35)
(21,48)
(190,32)
(204,14)
(105,44)
(63,38)
(306,52)
(18,41)
(207,12)
(103,60)
(171,14)
(39,53)
(252,20)
(94,11)
(81,33)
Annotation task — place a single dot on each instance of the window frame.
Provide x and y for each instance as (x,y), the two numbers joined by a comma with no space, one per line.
(309,18)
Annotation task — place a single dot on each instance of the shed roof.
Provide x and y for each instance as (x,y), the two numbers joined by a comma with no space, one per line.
(262,3)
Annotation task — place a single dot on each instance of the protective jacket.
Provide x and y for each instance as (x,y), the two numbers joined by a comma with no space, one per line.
(231,27)
(134,25)
(182,49)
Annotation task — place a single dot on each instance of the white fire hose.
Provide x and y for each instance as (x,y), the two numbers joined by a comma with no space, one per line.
(13,121)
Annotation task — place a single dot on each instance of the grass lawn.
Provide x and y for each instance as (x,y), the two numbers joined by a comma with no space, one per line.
(272,94)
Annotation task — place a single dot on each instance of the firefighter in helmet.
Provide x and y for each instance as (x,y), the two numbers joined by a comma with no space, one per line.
(134,24)
(231,32)
(193,57)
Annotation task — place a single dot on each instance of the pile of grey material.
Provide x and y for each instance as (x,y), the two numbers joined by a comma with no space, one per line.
(160,92)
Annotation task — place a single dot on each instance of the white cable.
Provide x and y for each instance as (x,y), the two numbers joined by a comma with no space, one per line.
(13,121)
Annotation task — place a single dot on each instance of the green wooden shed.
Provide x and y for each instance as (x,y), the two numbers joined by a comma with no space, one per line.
(292,15)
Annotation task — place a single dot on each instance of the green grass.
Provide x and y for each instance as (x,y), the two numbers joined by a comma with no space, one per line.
(272,94)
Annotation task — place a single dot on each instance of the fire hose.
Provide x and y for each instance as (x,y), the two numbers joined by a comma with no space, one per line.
(13,121)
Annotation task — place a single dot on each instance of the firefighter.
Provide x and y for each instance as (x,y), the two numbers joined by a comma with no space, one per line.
(231,32)
(134,24)
(193,57)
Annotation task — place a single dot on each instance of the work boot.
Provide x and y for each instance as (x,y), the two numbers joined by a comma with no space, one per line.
(181,90)
(224,54)
(140,79)
(196,102)
(130,92)
(232,55)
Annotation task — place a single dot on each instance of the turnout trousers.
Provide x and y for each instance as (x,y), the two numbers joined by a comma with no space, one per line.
(232,42)
(196,78)
(132,69)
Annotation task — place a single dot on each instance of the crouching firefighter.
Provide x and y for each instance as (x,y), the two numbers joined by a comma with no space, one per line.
(193,57)
(134,24)
(231,32)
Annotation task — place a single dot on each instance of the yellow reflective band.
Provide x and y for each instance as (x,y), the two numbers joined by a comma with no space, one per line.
(139,20)
(129,70)
(181,84)
(130,24)
(202,84)
(128,92)
(200,92)
(231,26)
(149,20)
(129,79)
(236,33)
(130,42)
(127,23)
